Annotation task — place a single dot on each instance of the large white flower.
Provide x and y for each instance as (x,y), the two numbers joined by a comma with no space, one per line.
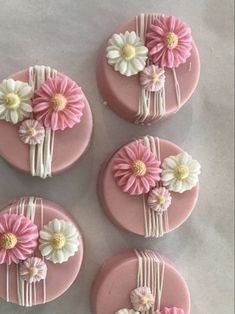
(126,53)
(58,241)
(126,311)
(180,173)
(15,100)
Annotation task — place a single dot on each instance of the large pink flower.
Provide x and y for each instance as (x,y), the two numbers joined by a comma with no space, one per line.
(172,310)
(169,41)
(59,103)
(18,238)
(136,169)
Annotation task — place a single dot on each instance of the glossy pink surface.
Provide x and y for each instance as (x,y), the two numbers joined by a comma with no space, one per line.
(126,211)
(122,93)
(117,278)
(59,276)
(70,144)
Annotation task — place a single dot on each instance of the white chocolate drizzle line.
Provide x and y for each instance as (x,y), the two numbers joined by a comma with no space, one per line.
(151,269)
(148,99)
(156,224)
(41,155)
(26,293)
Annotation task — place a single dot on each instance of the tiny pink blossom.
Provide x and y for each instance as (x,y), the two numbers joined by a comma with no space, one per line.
(142,299)
(18,238)
(169,41)
(33,269)
(31,132)
(58,103)
(152,78)
(136,169)
(159,199)
(172,310)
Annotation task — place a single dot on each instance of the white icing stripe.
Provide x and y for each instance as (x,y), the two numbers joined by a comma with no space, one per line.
(41,155)
(156,224)
(177,88)
(42,224)
(150,273)
(147,99)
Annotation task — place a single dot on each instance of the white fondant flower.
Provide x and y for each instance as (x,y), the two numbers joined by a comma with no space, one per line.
(180,173)
(126,311)
(126,53)
(58,241)
(159,199)
(15,100)
(31,132)
(142,299)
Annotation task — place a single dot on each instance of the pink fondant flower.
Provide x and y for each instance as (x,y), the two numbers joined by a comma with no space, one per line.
(58,103)
(33,269)
(152,78)
(31,132)
(142,299)
(172,310)
(136,169)
(169,41)
(18,238)
(159,199)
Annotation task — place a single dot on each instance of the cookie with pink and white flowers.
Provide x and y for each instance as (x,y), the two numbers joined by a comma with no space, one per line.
(139,281)
(149,186)
(45,120)
(148,68)
(41,251)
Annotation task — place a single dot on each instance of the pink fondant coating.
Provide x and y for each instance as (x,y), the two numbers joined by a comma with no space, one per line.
(122,93)
(59,276)
(118,277)
(126,211)
(70,144)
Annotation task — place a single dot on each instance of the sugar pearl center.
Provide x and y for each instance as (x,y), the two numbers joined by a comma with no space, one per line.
(8,241)
(12,101)
(32,132)
(58,102)
(161,200)
(171,40)
(128,51)
(58,241)
(33,271)
(182,172)
(155,77)
(138,168)
(144,300)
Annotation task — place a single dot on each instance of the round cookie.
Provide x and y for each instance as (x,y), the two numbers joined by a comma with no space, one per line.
(62,127)
(153,202)
(47,255)
(139,282)
(143,95)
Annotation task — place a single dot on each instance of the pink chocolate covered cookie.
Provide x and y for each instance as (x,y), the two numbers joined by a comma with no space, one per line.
(148,68)
(45,121)
(41,251)
(135,282)
(149,186)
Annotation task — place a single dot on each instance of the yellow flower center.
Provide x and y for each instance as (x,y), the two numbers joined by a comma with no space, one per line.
(155,77)
(161,200)
(33,271)
(128,51)
(144,300)
(138,168)
(32,132)
(58,241)
(12,101)
(182,172)
(8,241)
(172,40)
(58,102)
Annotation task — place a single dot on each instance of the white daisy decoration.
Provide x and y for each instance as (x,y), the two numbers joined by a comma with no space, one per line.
(58,241)
(15,100)
(180,173)
(126,311)
(126,53)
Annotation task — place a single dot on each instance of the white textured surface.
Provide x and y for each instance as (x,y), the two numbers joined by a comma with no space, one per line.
(66,34)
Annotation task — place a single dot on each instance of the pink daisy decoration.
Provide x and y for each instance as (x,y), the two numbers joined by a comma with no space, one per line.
(169,41)
(142,299)
(172,310)
(58,103)
(18,238)
(136,169)
(32,132)
(152,78)
(33,269)
(159,199)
